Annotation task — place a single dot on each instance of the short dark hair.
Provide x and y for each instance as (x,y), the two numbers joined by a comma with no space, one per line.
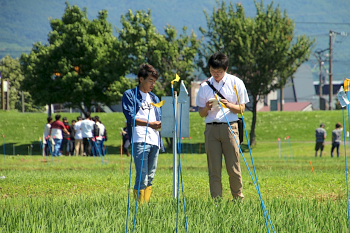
(87,115)
(79,118)
(49,119)
(74,121)
(218,60)
(146,70)
(338,125)
(57,117)
(64,119)
(97,118)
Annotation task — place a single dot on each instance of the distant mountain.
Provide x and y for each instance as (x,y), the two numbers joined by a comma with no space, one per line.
(23,22)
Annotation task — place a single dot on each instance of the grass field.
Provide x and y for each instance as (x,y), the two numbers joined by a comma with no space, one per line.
(22,130)
(79,194)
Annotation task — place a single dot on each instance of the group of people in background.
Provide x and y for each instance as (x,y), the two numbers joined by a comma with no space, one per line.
(321,134)
(83,136)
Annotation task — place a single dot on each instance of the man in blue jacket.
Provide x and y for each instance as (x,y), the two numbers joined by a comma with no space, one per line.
(142,111)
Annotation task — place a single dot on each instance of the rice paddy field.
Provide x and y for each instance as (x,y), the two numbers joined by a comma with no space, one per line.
(81,194)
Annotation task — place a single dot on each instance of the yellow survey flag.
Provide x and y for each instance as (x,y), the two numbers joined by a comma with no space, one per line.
(239,102)
(223,105)
(346,84)
(158,105)
(177,78)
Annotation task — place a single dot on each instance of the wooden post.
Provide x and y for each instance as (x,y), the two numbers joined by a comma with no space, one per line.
(23,109)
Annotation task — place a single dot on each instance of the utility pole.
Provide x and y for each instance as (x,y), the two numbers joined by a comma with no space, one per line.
(330,71)
(320,63)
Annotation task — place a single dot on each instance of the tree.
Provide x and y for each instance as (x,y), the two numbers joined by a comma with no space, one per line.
(82,64)
(10,70)
(262,50)
(169,53)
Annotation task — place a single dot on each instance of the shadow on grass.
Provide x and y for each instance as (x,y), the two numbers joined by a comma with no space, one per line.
(35,148)
(199,148)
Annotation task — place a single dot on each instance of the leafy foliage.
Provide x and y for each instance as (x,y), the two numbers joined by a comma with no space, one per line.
(169,53)
(82,63)
(261,50)
(10,70)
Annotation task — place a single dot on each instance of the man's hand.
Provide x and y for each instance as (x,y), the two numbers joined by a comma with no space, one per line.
(233,107)
(155,125)
(209,105)
(224,101)
(66,131)
(203,112)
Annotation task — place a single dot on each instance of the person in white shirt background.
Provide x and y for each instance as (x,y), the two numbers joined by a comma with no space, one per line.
(56,133)
(78,137)
(87,126)
(99,135)
(45,136)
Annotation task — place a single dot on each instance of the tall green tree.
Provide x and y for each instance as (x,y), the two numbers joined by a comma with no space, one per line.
(169,53)
(10,70)
(263,50)
(82,66)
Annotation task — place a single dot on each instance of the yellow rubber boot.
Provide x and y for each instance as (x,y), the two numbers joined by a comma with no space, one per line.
(141,195)
(148,191)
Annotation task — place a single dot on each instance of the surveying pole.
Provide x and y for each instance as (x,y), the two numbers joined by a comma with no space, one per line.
(175,152)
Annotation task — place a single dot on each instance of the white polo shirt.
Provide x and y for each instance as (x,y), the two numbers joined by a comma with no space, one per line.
(86,127)
(78,133)
(226,88)
(47,130)
(152,136)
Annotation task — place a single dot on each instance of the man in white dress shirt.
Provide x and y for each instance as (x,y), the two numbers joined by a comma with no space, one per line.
(218,136)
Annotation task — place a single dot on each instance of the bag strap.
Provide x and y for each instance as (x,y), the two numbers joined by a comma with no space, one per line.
(215,90)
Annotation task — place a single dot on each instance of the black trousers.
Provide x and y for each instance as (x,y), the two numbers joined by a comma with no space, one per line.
(87,146)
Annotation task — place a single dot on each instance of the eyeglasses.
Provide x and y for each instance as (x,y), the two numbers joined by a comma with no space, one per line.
(216,72)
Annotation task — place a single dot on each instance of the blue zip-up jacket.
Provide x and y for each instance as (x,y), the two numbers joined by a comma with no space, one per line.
(130,110)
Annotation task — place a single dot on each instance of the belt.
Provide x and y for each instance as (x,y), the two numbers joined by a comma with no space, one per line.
(220,123)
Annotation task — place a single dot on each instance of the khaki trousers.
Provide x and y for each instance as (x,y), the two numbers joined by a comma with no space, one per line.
(79,144)
(219,140)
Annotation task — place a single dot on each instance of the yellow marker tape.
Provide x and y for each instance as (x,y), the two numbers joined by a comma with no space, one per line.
(347,85)
(177,78)
(158,105)
(239,102)
(223,105)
